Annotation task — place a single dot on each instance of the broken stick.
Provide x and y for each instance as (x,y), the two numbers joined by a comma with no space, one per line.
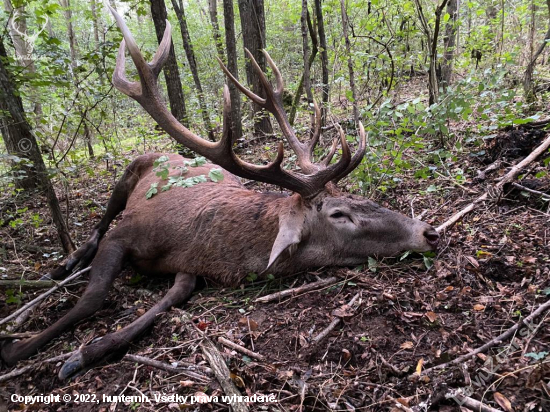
(291,292)
(508,177)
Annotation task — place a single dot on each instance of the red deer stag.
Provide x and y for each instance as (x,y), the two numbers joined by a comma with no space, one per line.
(221,231)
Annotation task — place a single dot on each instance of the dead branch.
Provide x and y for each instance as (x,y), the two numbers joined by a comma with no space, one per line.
(482,174)
(23,335)
(471,403)
(325,332)
(16,283)
(508,177)
(291,292)
(18,372)
(43,295)
(166,367)
(545,196)
(496,341)
(221,371)
(241,349)
(25,247)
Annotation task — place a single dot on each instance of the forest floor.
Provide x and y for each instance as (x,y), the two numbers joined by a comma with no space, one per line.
(492,268)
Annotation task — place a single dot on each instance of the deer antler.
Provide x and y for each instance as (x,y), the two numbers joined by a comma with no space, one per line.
(147,94)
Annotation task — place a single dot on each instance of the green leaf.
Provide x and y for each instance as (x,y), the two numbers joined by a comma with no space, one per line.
(152,191)
(373,264)
(216,175)
(160,161)
(197,161)
(163,173)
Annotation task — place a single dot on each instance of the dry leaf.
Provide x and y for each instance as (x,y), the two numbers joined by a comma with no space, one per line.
(449,288)
(419,366)
(479,308)
(407,345)
(346,355)
(186,384)
(237,380)
(140,312)
(201,397)
(473,261)
(503,402)
(432,316)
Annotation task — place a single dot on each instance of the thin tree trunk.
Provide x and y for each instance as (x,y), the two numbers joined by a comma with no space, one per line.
(345,25)
(170,69)
(21,142)
(213,11)
(253,29)
(306,52)
(449,42)
(190,53)
(17,27)
(299,89)
(324,57)
(528,86)
(231,46)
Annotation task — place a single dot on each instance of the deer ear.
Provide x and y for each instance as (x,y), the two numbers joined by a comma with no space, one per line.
(291,226)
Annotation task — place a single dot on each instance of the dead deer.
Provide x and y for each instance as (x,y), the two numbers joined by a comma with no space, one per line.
(221,231)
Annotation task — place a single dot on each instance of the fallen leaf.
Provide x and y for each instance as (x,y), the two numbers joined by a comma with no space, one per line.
(237,380)
(449,288)
(419,366)
(503,401)
(473,261)
(530,259)
(186,384)
(432,316)
(407,345)
(346,355)
(479,308)
(201,397)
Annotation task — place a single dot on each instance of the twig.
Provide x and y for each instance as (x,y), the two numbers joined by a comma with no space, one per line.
(324,333)
(290,292)
(471,403)
(482,174)
(43,296)
(165,367)
(545,196)
(221,371)
(18,372)
(22,335)
(25,247)
(393,368)
(499,339)
(27,283)
(239,348)
(507,178)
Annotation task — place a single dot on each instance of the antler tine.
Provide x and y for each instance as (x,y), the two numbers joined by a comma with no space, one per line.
(357,157)
(260,101)
(278,77)
(330,155)
(132,89)
(163,51)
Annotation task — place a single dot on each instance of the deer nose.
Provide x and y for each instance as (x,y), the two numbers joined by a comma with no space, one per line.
(432,237)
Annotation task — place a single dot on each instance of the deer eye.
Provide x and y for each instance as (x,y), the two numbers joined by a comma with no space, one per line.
(337,215)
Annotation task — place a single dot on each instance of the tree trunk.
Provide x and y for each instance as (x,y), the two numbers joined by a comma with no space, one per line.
(21,142)
(253,29)
(74,68)
(231,46)
(190,53)
(528,86)
(171,71)
(324,57)
(449,42)
(17,26)
(345,24)
(213,11)
(306,52)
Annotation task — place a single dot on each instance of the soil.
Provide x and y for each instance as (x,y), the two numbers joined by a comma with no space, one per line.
(492,268)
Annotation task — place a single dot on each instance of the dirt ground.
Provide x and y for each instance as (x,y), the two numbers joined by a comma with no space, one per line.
(409,314)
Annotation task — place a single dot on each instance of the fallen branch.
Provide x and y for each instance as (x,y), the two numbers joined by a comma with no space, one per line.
(43,296)
(470,403)
(22,335)
(496,341)
(221,371)
(166,367)
(291,292)
(508,177)
(18,372)
(239,348)
(16,283)
(25,247)
(545,196)
(333,324)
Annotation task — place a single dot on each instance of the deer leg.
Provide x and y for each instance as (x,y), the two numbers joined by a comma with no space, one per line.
(107,266)
(115,344)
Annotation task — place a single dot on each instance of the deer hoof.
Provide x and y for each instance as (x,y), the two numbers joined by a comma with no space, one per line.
(73,367)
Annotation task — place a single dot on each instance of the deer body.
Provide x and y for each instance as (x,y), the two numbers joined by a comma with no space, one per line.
(221,231)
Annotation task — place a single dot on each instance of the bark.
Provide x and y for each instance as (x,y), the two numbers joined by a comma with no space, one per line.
(528,86)
(190,53)
(253,30)
(449,42)
(306,52)
(231,46)
(17,27)
(345,24)
(324,57)
(213,12)
(21,142)
(171,71)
